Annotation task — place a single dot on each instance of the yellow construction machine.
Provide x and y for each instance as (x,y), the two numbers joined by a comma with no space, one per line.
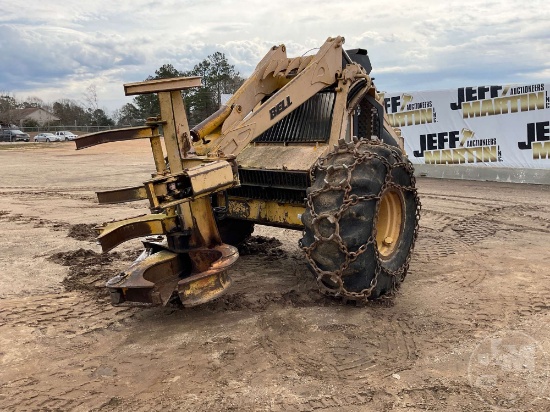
(303,144)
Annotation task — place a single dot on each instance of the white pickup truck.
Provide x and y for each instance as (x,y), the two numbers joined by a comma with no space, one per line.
(66,135)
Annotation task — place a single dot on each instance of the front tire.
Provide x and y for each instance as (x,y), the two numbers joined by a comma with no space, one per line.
(361,220)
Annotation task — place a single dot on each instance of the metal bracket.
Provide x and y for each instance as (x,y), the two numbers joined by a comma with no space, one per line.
(191,184)
(113,234)
(116,135)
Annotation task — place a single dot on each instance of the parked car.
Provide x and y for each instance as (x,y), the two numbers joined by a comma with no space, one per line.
(66,135)
(47,137)
(14,135)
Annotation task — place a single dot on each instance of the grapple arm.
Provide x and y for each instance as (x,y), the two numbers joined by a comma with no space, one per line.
(192,261)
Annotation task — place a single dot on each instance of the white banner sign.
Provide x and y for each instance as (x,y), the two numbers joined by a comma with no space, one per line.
(504,126)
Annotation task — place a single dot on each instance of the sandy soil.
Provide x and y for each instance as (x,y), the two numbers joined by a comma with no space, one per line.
(466,332)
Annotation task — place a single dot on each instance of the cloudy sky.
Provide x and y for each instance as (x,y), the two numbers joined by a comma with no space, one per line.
(55,49)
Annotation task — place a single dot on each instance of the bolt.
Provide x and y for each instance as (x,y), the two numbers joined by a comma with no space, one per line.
(388,241)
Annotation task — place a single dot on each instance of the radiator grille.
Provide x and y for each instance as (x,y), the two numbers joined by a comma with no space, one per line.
(269,194)
(311,122)
(278,186)
(271,178)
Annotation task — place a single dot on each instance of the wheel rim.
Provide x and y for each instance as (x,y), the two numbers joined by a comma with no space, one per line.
(390,223)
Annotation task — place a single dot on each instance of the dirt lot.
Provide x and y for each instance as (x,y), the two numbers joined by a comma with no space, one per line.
(466,332)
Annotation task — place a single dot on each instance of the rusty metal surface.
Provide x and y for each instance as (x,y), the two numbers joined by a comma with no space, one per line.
(115,233)
(116,135)
(176,124)
(188,185)
(203,287)
(261,211)
(128,194)
(158,155)
(155,279)
(210,177)
(151,280)
(204,228)
(212,279)
(162,85)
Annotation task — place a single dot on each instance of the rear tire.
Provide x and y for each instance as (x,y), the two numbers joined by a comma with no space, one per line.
(361,220)
(235,231)
(47,140)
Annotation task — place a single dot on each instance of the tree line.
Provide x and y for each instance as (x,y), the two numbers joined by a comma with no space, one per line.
(218,77)
(70,112)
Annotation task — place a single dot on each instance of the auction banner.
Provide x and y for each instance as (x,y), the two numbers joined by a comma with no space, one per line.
(504,126)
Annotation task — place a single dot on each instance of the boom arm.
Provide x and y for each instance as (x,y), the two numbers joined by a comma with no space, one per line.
(288,83)
(321,72)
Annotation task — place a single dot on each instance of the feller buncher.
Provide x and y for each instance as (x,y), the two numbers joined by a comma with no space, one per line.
(304,144)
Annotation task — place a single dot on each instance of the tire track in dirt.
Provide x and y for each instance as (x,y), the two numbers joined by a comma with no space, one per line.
(63,325)
(464,199)
(481,226)
(435,239)
(436,395)
(224,401)
(436,220)
(35,221)
(442,234)
(469,281)
(73,194)
(70,313)
(384,345)
(79,231)
(432,245)
(350,352)
(454,238)
(51,399)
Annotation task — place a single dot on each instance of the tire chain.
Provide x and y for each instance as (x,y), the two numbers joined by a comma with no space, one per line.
(360,154)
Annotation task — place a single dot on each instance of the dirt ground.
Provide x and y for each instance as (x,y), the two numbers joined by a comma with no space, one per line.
(466,332)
